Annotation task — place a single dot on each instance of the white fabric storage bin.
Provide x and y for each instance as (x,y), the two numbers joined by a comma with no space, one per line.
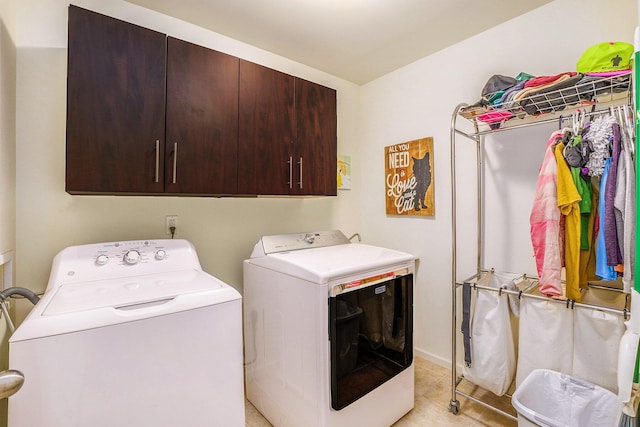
(550,399)
(546,337)
(596,343)
(493,358)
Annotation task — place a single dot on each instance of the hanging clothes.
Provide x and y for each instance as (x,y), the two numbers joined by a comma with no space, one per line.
(588,257)
(576,154)
(610,231)
(600,131)
(545,222)
(568,202)
(604,271)
(584,189)
(625,204)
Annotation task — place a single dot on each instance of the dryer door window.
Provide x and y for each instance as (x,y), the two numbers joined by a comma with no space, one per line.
(371,333)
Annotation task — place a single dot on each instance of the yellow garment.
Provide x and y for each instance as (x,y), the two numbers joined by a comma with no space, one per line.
(568,199)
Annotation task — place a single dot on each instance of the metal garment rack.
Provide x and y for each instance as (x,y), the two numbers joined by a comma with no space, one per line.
(597,96)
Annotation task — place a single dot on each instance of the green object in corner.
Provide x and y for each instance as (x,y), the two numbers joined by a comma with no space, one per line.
(636,75)
(636,271)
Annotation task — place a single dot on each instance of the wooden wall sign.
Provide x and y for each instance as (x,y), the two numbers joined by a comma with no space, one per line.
(409,178)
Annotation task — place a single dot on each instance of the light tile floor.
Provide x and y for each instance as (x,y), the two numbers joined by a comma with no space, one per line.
(433,394)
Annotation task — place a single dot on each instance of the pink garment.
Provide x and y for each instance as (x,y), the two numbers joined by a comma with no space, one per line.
(545,223)
(495,116)
(543,80)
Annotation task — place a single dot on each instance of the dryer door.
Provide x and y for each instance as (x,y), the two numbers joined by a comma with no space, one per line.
(371,333)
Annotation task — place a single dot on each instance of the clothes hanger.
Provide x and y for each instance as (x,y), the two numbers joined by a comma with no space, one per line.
(575,125)
(628,127)
(583,118)
(564,130)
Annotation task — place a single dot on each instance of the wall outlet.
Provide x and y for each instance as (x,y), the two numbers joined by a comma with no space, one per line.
(171,221)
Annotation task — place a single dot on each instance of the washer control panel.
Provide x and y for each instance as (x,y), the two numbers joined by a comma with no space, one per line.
(129,253)
(123,259)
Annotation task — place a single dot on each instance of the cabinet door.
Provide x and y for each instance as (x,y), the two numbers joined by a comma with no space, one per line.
(266,128)
(115,106)
(202,120)
(315,143)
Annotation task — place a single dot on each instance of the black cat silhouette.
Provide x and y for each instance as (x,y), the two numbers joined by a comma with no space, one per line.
(422,173)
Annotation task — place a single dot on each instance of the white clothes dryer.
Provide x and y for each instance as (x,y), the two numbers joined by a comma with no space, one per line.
(328,331)
(133,334)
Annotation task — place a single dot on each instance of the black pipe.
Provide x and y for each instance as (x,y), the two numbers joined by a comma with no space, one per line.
(15,290)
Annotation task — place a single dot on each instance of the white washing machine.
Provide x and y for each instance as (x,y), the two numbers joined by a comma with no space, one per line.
(130,333)
(328,331)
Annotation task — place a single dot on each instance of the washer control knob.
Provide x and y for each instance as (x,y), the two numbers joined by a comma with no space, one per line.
(102,259)
(131,257)
(161,254)
(309,238)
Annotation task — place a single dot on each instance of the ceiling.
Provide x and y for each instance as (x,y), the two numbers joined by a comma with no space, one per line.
(357,40)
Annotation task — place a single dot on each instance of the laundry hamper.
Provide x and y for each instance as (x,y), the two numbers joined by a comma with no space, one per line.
(551,399)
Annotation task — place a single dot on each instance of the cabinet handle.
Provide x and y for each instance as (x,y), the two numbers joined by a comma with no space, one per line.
(175,161)
(157,159)
(290,172)
(300,182)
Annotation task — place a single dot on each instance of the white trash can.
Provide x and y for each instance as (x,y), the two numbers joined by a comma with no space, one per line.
(551,399)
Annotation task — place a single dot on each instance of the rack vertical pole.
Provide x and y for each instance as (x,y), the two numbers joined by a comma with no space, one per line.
(454,405)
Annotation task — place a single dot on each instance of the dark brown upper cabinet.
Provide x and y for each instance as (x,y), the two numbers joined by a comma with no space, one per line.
(287,138)
(202,120)
(115,106)
(315,147)
(266,130)
(151,114)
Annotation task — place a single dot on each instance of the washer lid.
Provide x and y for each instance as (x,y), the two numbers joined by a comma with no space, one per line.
(321,265)
(74,307)
(126,292)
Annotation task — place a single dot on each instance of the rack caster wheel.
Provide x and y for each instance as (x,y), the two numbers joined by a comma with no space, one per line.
(454,406)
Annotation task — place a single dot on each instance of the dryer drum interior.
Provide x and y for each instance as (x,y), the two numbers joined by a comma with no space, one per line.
(371,334)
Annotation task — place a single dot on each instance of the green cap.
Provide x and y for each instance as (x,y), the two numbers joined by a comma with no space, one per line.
(607,57)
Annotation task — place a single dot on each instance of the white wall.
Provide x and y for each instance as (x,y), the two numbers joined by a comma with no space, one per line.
(7,130)
(417,101)
(7,166)
(413,102)
(223,230)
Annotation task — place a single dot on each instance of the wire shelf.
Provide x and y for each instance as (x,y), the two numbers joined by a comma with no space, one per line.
(589,93)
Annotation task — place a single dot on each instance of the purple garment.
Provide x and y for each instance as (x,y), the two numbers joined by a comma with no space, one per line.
(511,92)
(614,257)
(604,271)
